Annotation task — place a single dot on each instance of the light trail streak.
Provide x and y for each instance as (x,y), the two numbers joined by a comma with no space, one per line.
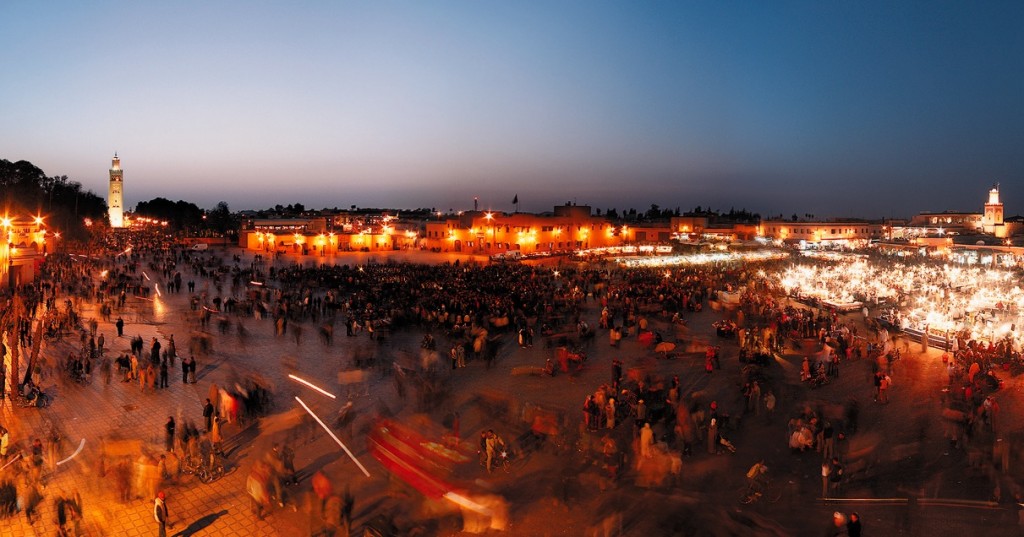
(467,503)
(81,445)
(311,385)
(14,459)
(336,439)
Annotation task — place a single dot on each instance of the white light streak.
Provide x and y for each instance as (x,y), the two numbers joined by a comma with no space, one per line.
(311,385)
(13,460)
(467,503)
(81,445)
(330,432)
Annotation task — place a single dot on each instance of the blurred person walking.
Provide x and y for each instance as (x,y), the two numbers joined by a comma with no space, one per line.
(208,415)
(169,433)
(164,383)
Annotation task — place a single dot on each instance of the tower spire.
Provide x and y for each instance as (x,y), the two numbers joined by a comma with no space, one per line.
(115,198)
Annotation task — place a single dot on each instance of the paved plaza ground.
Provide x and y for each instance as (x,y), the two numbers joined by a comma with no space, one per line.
(551,494)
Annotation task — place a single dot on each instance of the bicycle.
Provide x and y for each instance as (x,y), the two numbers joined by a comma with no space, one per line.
(504,458)
(509,459)
(763,490)
(190,465)
(208,473)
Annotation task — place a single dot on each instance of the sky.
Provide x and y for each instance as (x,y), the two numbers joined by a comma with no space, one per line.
(831,108)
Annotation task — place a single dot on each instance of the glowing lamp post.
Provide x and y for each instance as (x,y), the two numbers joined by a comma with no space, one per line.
(494,230)
(10,252)
(10,265)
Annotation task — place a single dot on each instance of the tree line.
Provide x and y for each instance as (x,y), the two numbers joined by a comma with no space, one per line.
(64,204)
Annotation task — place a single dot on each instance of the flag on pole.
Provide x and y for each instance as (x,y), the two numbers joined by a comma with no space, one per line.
(515,200)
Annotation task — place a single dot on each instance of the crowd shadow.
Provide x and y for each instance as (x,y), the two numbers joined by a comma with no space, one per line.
(318,464)
(234,445)
(200,524)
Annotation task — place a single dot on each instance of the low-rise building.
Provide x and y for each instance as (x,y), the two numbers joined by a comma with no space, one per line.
(329,234)
(27,242)
(847,232)
(568,228)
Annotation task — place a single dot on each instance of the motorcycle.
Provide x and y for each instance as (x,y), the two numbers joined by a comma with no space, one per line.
(818,381)
(33,396)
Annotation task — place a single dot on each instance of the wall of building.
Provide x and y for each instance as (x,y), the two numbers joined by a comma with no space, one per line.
(26,243)
(784,230)
(571,228)
(325,243)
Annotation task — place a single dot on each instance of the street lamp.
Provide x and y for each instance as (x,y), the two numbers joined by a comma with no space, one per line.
(494,230)
(10,265)
(10,252)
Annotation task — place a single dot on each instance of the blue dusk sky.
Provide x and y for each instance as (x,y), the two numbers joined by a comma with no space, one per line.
(835,108)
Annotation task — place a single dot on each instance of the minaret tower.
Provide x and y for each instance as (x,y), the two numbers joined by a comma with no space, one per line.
(993,222)
(115,201)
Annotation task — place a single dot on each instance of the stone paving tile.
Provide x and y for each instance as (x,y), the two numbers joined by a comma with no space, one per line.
(97,410)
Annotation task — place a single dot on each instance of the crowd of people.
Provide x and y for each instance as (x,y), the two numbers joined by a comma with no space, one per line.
(640,423)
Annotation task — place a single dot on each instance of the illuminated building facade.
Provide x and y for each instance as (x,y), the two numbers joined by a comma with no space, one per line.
(569,228)
(697,229)
(115,197)
(992,223)
(329,235)
(957,222)
(26,242)
(838,233)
